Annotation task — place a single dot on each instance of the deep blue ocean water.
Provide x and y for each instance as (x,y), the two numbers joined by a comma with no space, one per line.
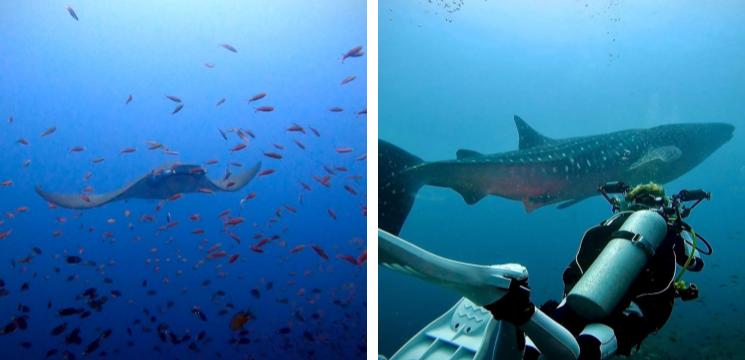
(76,76)
(453,74)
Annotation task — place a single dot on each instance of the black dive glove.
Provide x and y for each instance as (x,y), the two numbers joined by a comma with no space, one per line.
(514,307)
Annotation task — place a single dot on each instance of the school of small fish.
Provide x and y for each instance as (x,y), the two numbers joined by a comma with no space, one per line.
(316,315)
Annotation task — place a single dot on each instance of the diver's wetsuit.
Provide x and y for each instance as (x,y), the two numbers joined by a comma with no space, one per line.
(648,303)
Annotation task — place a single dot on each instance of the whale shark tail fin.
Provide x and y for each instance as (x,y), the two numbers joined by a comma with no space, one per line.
(397,187)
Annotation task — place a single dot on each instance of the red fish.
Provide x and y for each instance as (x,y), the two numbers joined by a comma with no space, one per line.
(195,217)
(217,255)
(72,12)
(234,221)
(96,160)
(77,149)
(22,141)
(335,109)
(229,47)
(264,109)
(299,144)
(153,145)
(362,157)
(49,131)
(273,155)
(235,237)
(267,172)
(362,112)
(209,65)
(7,183)
(296,128)
(197,231)
(279,146)
(350,190)
(331,213)
(176,196)
(174,98)
(233,258)
(320,252)
(343,150)
(211,162)
(353,52)
(256,97)
(362,258)
(220,102)
(238,147)
(177,109)
(305,186)
(128,150)
(348,79)
(297,249)
(5,234)
(129,100)
(348,258)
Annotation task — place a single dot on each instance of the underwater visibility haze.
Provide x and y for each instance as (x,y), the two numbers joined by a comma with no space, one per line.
(182,179)
(527,83)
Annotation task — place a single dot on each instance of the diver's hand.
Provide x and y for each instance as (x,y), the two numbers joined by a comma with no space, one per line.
(514,307)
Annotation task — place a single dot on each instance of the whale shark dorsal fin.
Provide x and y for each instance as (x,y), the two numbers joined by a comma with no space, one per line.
(528,136)
(465,154)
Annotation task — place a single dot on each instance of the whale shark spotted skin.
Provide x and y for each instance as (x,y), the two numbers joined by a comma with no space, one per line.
(547,171)
(161,183)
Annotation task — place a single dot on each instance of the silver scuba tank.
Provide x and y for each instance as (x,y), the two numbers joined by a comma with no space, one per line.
(610,276)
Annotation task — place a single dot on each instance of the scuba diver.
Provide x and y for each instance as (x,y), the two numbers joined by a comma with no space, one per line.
(619,288)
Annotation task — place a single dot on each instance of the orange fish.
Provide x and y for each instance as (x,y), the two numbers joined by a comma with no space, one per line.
(240,319)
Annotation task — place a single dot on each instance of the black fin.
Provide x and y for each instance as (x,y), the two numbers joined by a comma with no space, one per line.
(528,136)
(396,187)
(465,154)
(470,196)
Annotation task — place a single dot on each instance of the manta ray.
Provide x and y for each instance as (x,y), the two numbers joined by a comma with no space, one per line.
(546,171)
(161,183)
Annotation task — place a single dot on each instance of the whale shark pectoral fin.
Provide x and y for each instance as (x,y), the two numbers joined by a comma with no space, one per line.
(569,203)
(80,201)
(659,154)
(466,154)
(470,194)
(237,181)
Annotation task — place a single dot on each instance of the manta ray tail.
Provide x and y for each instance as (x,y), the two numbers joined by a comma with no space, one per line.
(397,188)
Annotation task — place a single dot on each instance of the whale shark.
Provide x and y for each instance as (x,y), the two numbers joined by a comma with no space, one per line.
(165,182)
(545,171)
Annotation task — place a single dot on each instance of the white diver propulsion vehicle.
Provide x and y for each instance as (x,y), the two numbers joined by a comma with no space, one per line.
(469,330)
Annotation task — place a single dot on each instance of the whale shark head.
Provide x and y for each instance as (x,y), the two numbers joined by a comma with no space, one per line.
(677,148)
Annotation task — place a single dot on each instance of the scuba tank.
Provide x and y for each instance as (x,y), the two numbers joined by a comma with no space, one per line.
(647,215)
(610,276)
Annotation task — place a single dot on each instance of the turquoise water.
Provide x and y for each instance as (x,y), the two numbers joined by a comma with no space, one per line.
(150,259)
(453,78)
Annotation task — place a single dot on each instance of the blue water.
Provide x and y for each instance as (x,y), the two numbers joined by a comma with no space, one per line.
(77,75)
(454,79)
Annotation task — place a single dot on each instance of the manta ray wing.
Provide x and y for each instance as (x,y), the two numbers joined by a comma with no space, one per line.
(236,181)
(81,201)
